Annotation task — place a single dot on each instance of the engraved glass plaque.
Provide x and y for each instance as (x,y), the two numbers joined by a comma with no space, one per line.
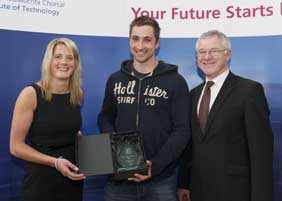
(128,154)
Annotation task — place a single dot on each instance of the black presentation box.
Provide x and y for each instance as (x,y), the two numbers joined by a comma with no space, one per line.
(121,154)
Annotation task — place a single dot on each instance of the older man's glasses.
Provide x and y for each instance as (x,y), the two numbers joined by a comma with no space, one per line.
(212,52)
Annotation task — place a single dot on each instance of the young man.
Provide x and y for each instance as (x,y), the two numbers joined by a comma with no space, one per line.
(232,142)
(150,96)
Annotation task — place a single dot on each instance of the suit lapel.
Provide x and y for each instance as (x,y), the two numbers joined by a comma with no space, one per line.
(224,92)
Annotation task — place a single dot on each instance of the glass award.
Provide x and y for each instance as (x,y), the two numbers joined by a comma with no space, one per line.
(128,154)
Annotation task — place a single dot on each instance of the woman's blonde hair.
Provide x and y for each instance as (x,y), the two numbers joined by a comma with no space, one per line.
(75,79)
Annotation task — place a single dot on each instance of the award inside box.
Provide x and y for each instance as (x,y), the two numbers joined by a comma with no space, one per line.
(120,154)
(128,154)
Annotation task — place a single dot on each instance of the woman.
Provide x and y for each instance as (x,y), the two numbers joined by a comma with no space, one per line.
(47,114)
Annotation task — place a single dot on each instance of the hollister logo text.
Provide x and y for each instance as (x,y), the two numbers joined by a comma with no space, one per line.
(125,93)
(152,93)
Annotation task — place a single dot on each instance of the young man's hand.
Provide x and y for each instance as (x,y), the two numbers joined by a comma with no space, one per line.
(139,177)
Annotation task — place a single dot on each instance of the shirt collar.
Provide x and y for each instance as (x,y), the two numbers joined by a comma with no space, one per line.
(218,81)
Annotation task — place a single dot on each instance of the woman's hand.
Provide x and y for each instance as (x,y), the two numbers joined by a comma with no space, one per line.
(68,169)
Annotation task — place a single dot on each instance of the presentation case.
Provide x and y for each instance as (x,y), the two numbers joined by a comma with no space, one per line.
(120,154)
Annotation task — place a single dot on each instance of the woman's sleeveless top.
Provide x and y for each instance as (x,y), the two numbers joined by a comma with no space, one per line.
(55,123)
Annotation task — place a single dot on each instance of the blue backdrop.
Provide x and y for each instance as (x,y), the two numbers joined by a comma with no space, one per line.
(21,55)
